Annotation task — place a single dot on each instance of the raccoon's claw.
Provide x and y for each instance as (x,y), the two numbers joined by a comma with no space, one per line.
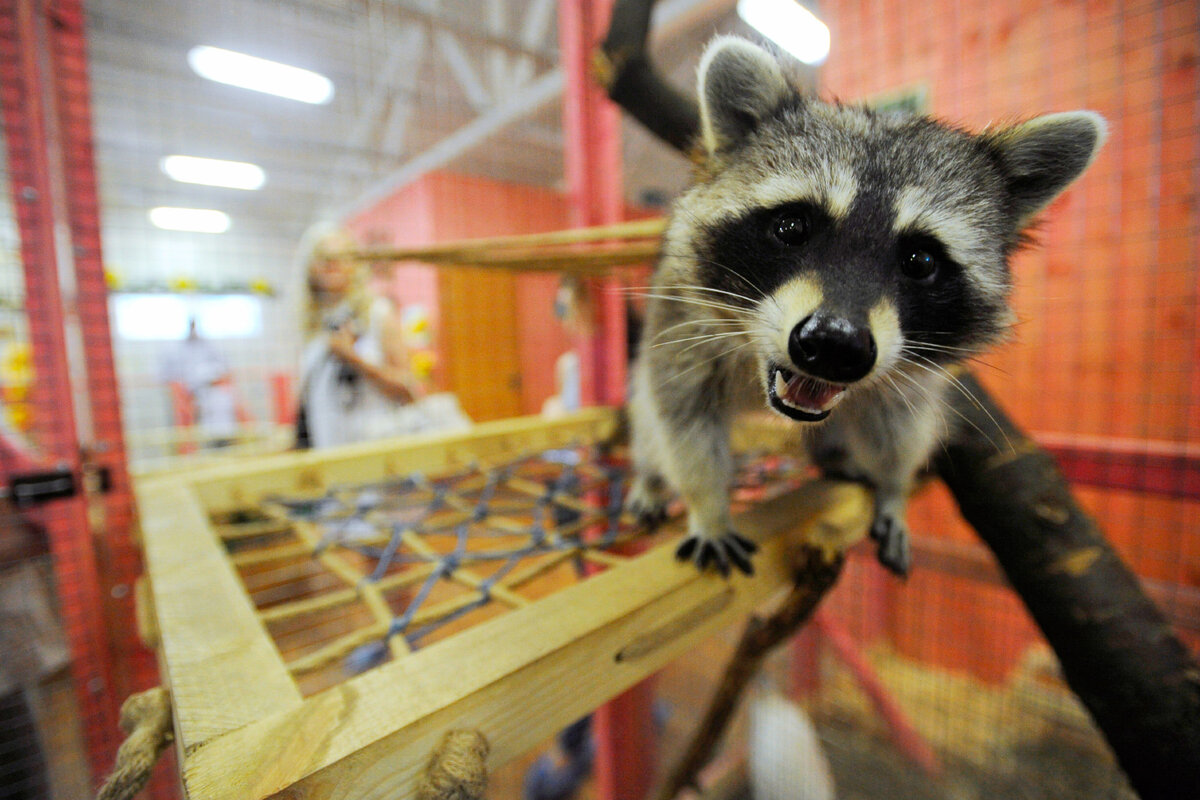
(894,551)
(731,549)
(647,506)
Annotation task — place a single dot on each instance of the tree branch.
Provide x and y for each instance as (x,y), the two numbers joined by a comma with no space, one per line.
(815,576)
(1117,650)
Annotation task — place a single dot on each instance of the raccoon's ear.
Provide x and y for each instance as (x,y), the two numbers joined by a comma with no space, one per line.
(739,85)
(1042,157)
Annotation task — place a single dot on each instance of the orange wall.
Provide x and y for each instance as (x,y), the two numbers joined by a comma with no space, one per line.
(443,206)
(1107,341)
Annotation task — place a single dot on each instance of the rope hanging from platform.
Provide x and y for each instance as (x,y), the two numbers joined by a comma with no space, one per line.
(457,770)
(146,720)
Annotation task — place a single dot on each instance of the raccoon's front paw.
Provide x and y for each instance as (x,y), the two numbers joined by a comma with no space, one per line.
(648,502)
(729,549)
(894,551)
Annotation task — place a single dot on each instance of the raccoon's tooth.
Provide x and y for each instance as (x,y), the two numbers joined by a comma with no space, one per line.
(833,401)
(780,385)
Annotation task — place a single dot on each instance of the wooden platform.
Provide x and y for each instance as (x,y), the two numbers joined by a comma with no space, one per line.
(245,728)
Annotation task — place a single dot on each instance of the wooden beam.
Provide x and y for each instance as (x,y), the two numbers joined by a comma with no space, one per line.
(479,251)
(545,665)
(246,484)
(215,655)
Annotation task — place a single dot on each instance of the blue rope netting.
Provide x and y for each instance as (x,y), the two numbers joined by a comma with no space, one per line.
(564,500)
(578,508)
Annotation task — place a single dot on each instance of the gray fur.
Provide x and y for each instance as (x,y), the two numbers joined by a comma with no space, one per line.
(873,191)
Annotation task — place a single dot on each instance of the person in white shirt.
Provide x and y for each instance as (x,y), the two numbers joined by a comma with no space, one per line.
(355,383)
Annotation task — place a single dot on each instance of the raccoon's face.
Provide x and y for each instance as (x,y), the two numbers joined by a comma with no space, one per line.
(863,248)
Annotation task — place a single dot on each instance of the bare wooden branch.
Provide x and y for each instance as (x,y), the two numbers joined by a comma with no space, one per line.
(624,69)
(815,576)
(1118,652)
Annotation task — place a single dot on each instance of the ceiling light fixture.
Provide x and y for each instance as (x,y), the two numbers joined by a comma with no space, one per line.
(790,25)
(197,220)
(214,172)
(259,74)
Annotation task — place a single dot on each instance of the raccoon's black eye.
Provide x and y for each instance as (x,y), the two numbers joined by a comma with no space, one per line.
(791,227)
(919,265)
(920,260)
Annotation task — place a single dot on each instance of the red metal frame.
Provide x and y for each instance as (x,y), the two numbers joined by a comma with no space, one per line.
(47,118)
(29,134)
(1168,469)
(118,556)
(626,748)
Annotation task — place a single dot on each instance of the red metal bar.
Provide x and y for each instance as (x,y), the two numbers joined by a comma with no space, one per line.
(135,668)
(906,737)
(592,163)
(626,752)
(32,142)
(283,400)
(1132,465)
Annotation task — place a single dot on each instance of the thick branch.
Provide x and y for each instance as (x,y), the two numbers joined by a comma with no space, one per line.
(1118,652)
(623,67)
(815,576)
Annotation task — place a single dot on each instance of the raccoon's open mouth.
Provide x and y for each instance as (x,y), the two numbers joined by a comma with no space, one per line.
(801,397)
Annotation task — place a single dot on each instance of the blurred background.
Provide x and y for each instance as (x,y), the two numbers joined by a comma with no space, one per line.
(150,321)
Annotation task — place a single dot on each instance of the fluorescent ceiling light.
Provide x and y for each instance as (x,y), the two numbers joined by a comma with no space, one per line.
(259,74)
(790,25)
(214,172)
(198,220)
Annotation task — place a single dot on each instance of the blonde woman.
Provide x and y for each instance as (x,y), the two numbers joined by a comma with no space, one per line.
(354,382)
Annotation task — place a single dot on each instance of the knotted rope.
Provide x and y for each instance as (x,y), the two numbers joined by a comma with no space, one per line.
(146,720)
(457,770)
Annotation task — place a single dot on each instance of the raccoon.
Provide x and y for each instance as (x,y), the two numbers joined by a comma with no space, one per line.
(833,264)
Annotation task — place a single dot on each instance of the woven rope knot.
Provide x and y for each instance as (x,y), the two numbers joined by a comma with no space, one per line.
(457,770)
(146,720)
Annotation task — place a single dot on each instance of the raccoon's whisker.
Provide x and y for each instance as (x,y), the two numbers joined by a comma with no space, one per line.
(943,348)
(939,402)
(701,338)
(638,291)
(710,289)
(935,369)
(708,321)
(707,361)
(900,393)
(695,302)
(720,265)
(960,354)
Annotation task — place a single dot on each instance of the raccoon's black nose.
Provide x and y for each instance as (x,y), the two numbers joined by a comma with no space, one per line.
(832,348)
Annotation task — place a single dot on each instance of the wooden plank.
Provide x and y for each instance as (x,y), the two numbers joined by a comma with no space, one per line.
(216,657)
(516,678)
(470,251)
(245,484)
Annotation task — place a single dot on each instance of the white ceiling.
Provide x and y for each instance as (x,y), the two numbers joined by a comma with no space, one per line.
(420,84)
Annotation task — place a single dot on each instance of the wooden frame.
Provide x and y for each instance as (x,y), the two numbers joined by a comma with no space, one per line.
(244,731)
(241,726)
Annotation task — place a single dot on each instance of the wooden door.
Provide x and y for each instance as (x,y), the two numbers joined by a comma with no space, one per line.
(478,334)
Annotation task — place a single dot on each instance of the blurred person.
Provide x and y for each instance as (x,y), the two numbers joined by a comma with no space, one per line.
(201,385)
(356,376)
(35,651)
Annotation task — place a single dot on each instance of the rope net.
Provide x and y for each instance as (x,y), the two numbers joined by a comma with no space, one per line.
(363,573)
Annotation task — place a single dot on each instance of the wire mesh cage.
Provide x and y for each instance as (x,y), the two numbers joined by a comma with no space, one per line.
(447,124)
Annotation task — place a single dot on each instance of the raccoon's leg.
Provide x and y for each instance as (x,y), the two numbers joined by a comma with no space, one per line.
(682,439)
(647,497)
(698,462)
(890,531)
(881,444)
